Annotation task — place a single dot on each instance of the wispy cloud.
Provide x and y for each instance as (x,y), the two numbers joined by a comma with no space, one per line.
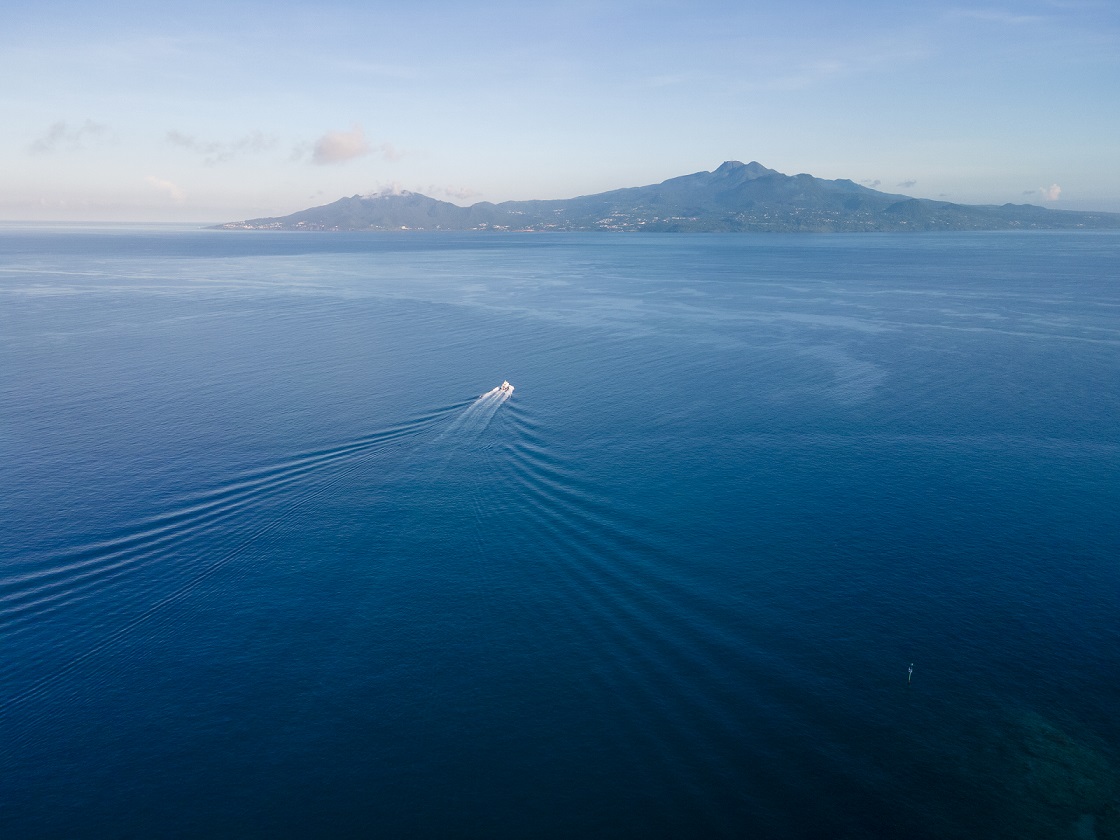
(871,183)
(457,193)
(62,136)
(665,80)
(340,146)
(766,68)
(802,77)
(168,188)
(218,152)
(299,151)
(390,152)
(906,184)
(369,68)
(996,16)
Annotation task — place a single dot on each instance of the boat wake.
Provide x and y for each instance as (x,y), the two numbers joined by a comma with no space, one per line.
(147,567)
(477,416)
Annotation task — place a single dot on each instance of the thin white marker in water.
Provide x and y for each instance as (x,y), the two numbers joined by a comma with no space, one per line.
(910,674)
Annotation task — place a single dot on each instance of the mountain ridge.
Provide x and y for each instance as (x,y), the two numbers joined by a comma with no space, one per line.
(735,197)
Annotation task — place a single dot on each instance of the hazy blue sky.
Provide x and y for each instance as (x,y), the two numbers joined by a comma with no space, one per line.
(220,111)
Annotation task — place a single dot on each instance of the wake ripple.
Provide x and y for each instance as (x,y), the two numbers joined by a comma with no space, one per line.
(234,518)
(662,645)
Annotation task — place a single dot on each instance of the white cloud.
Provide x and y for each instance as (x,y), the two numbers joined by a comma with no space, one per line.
(906,184)
(1051,193)
(392,188)
(62,136)
(218,152)
(169,189)
(432,191)
(340,146)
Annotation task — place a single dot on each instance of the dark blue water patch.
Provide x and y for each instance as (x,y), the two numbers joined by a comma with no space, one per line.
(271,566)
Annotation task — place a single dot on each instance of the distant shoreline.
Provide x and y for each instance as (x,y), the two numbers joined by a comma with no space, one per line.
(734,198)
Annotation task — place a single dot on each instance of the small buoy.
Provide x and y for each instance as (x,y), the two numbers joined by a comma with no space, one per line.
(910,673)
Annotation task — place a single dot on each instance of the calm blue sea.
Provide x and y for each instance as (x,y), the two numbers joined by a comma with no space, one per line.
(270,566)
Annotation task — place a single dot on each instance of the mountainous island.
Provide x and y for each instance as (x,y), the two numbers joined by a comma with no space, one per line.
(736,197)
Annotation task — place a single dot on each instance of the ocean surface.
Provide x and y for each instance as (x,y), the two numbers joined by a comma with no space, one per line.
(270,566)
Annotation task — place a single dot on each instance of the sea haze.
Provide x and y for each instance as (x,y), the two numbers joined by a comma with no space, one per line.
(271,566)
